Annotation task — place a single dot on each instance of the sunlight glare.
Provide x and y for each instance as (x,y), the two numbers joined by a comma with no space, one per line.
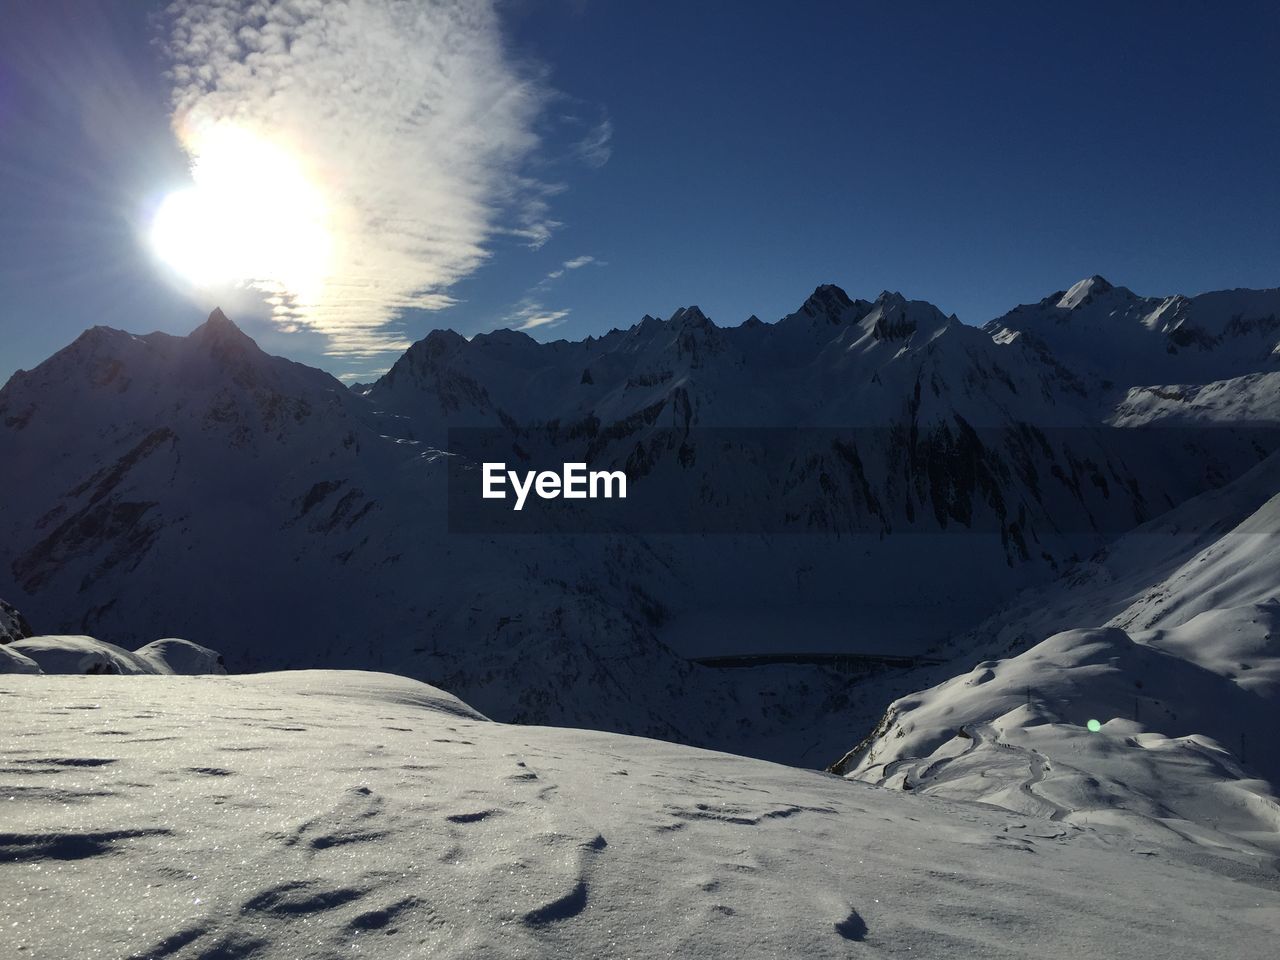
(251,217)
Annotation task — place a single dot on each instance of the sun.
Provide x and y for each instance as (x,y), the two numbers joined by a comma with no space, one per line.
(252,217)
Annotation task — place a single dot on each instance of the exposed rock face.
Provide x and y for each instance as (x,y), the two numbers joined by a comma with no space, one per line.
(13,625)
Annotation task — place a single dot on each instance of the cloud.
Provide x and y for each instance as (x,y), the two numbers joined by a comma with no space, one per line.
(596,147)
(410,118)
(558,272)
(529,314)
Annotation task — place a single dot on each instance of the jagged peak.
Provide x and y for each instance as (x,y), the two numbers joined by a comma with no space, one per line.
(220,329)
(830,290)
(894,317)
(691,316)
(891,298)
(827,300)
(218,321)
(752,322)
(1083,291)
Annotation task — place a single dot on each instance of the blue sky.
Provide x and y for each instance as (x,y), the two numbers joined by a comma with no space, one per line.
(730,155)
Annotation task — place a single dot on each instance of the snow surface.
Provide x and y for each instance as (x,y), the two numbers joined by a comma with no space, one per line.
(1175,661)
(1166,755)
(323,814)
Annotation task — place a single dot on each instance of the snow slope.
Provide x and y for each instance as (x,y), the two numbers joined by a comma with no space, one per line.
(14,661)
(1178,662)
(174,655)
(322,814)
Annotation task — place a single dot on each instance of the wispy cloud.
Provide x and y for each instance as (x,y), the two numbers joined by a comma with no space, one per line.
(596,147)
(410,117)
(558,272)
(529,314)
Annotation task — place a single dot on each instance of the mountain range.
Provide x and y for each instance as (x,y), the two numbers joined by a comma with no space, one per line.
(860,478)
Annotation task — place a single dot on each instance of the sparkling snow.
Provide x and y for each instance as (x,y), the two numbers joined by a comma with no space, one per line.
(325,814)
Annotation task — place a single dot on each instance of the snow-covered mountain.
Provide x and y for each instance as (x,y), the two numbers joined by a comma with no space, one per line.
(325,814)
(1138,693)
(1107,337)
(860,476)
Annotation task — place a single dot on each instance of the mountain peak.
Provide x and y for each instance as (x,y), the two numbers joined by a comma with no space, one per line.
(891,298)
(1084,291)
(691,316)
(229,346)
(504,336)
(219,328)
(827,300)
(437,342)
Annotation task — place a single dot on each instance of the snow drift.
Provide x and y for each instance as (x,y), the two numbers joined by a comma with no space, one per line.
(1156,718)
(12,661)
(334,814)
(86,655)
